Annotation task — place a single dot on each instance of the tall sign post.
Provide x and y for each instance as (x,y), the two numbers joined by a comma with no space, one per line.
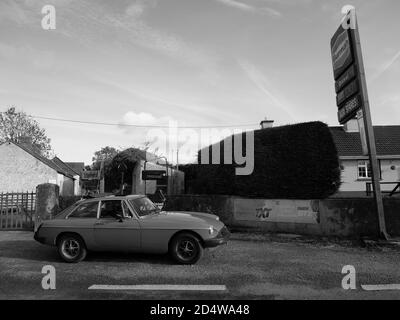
(352,95)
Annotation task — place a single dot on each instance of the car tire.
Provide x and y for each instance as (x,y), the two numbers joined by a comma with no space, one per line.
(186,248)
(71,248)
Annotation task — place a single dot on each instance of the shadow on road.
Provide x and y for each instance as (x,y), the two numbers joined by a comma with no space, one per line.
(27,250)
(129,257)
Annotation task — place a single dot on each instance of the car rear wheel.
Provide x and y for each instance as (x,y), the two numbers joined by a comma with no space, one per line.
(71,248)
(186,249)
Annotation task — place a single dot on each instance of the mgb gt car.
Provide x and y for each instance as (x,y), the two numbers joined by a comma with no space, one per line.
(130,224)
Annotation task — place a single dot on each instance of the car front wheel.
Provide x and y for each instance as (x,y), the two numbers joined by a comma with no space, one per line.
(72,248)
(186,249)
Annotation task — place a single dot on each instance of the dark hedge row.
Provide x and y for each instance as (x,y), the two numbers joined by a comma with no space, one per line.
(293,162)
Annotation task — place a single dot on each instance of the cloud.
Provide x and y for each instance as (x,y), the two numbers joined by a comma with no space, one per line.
(90,22)
(143,119)
(40,59)
(263,84)
(386,66)
(139,33)
(249,8)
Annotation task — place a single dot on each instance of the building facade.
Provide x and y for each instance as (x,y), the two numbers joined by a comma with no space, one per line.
(22,169)
(355,168)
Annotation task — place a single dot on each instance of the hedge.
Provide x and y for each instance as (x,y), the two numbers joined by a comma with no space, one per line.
(297,161)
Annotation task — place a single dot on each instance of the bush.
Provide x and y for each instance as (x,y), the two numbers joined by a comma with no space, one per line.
(293,162)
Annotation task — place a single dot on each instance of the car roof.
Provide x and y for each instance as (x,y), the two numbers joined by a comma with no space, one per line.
(114,197)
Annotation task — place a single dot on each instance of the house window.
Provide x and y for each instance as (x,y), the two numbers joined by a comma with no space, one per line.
(364,170)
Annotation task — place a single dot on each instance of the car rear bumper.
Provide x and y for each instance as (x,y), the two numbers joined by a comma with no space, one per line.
(221,238)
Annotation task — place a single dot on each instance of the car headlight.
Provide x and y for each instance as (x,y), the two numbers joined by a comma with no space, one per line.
(212,230)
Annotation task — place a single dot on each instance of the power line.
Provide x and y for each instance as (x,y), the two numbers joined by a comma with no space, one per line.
(140,126)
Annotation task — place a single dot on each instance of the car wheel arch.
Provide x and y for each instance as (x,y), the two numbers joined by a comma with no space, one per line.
(60,235)
(195,234)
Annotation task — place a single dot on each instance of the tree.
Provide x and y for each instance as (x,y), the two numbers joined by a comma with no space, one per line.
(105,154)
(17,125)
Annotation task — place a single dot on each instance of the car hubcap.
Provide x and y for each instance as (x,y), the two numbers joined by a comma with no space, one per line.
(70,248)
(186,249)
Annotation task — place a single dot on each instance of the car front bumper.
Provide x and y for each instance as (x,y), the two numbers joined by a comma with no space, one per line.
(221,238)
(38,238)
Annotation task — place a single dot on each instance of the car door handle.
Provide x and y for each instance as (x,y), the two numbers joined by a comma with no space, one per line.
(99,224)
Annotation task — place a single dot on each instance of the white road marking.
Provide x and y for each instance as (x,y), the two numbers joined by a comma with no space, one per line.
(378,287)
(158,287)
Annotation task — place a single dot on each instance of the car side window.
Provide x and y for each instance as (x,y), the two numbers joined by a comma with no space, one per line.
(111,209)
(127,211)
(85,210)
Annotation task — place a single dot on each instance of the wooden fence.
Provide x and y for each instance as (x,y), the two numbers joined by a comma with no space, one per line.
(17,210)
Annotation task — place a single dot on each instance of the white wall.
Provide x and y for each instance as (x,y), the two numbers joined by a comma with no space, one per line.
(66,185)
(351,182)
(77,186)
(20,171)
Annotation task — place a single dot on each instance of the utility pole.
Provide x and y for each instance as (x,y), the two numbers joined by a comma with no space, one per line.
(177,158)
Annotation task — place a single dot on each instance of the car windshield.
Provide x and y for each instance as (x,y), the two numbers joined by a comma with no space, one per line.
(144,206)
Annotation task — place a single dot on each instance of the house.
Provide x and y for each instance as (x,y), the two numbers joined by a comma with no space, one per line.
(75,173)
(77,167)
(22,168)
(355,168)
(128,166)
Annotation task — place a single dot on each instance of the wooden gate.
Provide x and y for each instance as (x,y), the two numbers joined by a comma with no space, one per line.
(17,210)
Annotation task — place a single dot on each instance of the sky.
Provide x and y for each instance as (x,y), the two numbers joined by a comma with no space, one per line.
(185,63)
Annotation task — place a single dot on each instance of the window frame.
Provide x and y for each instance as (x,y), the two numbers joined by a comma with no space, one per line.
(82,204)
(104,200)
(133,212)
(133,209)
(368,169)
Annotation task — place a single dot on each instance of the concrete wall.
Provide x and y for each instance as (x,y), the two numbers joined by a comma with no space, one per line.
(351,182)
(77,185)
(66,185)
(352,218)
(20,171)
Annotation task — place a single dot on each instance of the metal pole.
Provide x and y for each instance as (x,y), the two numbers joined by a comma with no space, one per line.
(145,161)
(166,165)
(369,132)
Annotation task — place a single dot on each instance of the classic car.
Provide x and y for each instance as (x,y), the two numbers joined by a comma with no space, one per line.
(131,224)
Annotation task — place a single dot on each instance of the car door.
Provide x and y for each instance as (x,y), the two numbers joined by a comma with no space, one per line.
(82,219)
(117,228)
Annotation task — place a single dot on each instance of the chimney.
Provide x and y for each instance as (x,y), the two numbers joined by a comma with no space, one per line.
(264,124)
(351,126)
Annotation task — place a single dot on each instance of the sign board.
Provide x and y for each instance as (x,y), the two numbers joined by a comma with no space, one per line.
(352,97)
(344,79)
(341,50)
(153,174)
(91,175)
(349,109)
(346,74)
(295,211)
